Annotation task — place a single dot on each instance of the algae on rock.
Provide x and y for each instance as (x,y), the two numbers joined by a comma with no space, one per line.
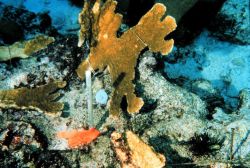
(120,54)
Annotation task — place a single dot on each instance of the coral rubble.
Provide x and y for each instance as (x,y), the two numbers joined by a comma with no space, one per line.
(17,134)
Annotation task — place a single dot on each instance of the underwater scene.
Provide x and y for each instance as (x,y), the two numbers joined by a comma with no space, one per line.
(124,84)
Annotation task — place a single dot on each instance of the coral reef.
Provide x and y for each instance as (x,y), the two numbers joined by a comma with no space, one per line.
(41,98)
(197,115)
(121,61)
(24,49)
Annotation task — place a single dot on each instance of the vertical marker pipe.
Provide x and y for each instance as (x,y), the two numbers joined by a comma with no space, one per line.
(232,145)
(89,98)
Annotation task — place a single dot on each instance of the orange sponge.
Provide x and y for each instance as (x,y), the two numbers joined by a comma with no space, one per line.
(78,138)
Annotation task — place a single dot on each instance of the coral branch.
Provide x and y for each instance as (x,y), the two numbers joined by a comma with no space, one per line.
(120,54)
(41,98)
(24,49)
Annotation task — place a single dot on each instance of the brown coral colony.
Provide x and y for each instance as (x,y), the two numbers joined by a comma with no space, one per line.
(120,55)
(40,98)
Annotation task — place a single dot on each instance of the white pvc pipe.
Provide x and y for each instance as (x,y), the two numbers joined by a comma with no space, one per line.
(89,98)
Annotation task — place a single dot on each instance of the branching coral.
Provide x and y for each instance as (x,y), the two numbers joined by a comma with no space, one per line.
(24,49)
(41,98)
(36,44)
(120,54)
(88,21)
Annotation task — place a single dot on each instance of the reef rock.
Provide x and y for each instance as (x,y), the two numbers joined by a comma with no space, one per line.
(19,22)
(234,129)
(15,134)
(169,110)
(232,22)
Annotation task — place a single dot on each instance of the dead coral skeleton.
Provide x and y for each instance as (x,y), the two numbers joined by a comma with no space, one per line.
(41,98)
(136,153)
(120,55)
(121,150)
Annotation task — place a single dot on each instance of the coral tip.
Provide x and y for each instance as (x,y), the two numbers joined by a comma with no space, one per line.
(80,137)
